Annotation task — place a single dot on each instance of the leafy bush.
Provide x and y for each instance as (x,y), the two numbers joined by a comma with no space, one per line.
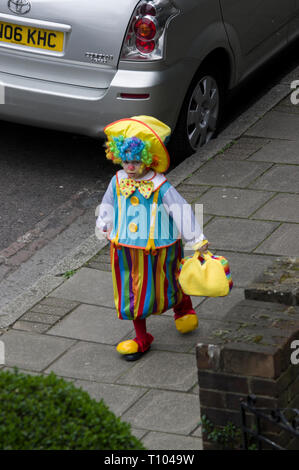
(48,413)
(227,437)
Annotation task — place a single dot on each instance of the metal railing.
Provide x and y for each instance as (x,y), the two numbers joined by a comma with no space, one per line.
(277,417)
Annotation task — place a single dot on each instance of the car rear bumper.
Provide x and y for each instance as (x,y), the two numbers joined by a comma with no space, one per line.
(86,110)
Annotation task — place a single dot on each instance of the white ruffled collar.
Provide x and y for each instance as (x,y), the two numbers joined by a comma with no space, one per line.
(156,178)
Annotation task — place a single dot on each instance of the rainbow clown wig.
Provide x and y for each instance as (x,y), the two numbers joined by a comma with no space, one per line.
(141,139)
(129,149)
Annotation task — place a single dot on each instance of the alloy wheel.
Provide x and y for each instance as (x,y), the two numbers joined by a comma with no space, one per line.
(203,111)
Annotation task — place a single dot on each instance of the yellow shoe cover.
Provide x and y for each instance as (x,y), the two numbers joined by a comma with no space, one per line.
(127,347)
(186,323)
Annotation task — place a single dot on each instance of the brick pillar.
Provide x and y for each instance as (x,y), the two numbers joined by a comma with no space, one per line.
(248,352)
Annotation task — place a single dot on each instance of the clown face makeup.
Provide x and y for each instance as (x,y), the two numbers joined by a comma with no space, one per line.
(134,169)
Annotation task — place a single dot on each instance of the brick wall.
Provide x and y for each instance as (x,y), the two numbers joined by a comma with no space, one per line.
(251,356)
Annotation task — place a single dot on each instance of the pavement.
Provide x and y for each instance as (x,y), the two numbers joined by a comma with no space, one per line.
(248,182)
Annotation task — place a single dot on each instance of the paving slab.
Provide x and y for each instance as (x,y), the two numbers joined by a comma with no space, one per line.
(90,361)
(284,241)
(217,308)
(243,148)
(165,411)
(290,109)
(280,178)
(40,317)
(117,397)
(209,327)
(233,202)
(32,351)
(53,306)
(197,432)
(195,300)
(93,323)
(169,313)
(30,326)
(166,441)
(278,151)
(191,192)
(237,234)
(276,125)
(283,207)
(139,433)
(167,337)
(246,267)
(221,172)
(88,286)
(166,370)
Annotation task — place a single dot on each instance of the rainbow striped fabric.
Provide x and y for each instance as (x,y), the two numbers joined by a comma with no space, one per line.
(226,268)
(145,284)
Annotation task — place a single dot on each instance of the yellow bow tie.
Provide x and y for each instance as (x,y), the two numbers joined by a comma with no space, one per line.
(127,187)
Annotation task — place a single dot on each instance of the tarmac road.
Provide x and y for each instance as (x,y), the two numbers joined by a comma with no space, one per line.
(40,170)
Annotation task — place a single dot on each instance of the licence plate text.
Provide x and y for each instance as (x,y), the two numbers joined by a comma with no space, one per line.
(31,36)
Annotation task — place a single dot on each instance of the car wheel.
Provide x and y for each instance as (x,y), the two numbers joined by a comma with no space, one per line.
(200,114)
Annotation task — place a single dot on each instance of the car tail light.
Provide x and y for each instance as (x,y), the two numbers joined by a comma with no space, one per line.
(147,9)
(145,28)
(146,32)
(145,47)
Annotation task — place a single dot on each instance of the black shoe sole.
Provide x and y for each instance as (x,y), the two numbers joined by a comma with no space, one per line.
(134,356)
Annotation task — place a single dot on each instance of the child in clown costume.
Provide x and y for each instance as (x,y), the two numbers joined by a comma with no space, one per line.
(145,233)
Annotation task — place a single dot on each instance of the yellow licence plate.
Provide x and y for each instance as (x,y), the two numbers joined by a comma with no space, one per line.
(31,36)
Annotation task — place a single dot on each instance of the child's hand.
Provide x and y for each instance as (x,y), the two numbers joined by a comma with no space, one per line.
(104,232)
(107,231)
(203,249)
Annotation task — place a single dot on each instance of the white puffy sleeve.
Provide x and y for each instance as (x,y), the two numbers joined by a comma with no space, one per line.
(105,212)
(184,218)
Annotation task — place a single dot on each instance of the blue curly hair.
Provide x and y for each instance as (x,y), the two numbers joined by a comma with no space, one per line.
(122,149)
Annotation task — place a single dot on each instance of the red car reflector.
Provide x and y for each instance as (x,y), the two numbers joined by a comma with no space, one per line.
(135,96)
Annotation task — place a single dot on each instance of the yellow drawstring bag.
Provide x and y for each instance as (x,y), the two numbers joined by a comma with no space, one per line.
(205,275)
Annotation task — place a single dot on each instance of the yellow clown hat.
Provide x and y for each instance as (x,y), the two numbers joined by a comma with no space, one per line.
(145,128)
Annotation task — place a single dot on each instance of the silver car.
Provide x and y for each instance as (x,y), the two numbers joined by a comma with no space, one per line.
(77,65)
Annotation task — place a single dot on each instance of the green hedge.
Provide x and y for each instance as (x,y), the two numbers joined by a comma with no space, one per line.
(48,413)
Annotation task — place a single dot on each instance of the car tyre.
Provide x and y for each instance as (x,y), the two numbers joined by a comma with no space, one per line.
(200,114)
